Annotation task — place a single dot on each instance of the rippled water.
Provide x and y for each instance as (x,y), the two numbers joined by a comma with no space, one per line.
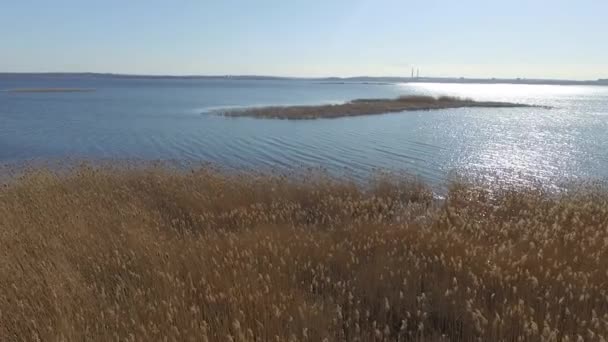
(172,119)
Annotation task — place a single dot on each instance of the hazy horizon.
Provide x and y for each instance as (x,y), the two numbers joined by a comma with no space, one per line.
(253,75)
(473,39)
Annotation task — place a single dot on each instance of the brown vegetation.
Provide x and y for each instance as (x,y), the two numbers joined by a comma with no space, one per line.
(365,107)
(49,90)
(154,254)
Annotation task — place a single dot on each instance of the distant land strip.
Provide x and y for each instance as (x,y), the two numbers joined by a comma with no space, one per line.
(345,80)
(49,90)
(366,107)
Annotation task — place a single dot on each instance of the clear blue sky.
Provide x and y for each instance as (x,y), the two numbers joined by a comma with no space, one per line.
(509,38)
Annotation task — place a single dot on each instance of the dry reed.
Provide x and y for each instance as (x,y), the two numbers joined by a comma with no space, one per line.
(365,107)
(50,90)
(154,254)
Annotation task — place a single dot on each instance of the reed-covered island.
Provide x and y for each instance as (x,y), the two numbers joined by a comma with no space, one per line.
(49,90)
(153,254)
(366,107)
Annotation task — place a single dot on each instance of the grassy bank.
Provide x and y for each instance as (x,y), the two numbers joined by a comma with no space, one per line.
(118,254)
(366,107)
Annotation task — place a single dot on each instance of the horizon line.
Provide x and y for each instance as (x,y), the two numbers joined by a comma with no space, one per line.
(488,78)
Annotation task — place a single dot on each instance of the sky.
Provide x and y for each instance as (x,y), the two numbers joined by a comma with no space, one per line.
(466,38)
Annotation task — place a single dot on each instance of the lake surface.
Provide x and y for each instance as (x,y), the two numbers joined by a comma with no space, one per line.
(174,119)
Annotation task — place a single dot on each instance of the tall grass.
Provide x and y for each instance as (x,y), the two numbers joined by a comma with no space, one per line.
(155,254)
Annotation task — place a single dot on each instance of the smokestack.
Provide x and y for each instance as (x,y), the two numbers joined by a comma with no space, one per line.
(412,72)
(418,73)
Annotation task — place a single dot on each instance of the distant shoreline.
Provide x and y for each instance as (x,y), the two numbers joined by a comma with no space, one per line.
(364,107)
(357,79)
(49,90)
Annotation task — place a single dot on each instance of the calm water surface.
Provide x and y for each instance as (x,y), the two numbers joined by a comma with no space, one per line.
(173,119)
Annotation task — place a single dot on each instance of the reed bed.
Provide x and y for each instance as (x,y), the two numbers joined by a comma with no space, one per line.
(50,90)
(365,107)
(153,254)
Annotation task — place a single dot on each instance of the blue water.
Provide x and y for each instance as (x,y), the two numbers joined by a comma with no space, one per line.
(176,119)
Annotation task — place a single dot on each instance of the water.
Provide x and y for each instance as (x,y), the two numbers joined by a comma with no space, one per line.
(174,119)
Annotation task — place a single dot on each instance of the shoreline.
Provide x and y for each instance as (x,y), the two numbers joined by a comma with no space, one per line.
(360,107)
(357,79)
